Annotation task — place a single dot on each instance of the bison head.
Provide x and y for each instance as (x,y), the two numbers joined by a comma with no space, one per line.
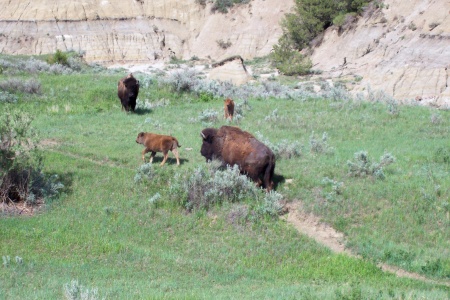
(140,138)
(207,150)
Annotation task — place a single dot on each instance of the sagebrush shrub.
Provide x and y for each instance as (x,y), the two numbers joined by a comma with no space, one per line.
(284,149)
(183,80)
(319,145)
(209,116)
(7,97)
(75,291)
(21,178)
(211,185)
(11,85)
(144,172)
(362,165)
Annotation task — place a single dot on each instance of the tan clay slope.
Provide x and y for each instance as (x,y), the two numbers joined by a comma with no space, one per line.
(404,49)
(115,31)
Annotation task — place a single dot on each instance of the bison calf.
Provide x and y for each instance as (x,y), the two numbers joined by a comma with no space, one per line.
(233,146)
(229,109)
(158,143)
(128,90)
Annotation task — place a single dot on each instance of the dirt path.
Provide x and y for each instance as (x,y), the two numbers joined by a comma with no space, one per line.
(326,235)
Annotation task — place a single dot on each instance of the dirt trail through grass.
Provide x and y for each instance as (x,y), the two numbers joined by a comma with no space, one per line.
(326,235)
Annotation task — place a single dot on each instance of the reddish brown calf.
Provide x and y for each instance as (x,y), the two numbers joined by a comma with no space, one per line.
(158,143)
(229,109)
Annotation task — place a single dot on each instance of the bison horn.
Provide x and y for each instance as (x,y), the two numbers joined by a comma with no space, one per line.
(203,135)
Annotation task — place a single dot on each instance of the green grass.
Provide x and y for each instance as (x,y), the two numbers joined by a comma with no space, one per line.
(103,232)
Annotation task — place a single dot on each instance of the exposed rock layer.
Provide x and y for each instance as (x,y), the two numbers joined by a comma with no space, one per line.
(112,31)
(403,49)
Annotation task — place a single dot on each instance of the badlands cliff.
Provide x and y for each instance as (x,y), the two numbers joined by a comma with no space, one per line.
(402,49)
(113,31)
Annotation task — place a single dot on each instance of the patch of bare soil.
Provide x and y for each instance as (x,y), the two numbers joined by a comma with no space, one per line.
(326,235)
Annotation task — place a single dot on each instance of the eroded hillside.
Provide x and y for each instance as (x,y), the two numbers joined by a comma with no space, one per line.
(402,49)
(112,31)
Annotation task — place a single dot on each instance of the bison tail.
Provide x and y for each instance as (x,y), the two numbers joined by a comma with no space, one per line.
(176,144)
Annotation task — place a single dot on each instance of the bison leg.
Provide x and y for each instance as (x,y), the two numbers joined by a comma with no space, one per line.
(175,152)
(166,154)
(143,154)
(152,155)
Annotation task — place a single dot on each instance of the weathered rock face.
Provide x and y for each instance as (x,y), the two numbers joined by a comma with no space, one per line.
(403,49)
(231,69)
(113,31)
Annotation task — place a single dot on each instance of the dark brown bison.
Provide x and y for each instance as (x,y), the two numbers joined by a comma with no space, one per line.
(128,90)
(229,109)
(233,146)
(158,143)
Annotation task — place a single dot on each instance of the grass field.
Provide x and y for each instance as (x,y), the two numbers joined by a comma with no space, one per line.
(105,236)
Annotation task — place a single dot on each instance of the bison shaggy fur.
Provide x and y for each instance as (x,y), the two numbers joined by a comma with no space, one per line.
(128,90)
(233,146)
(158,143)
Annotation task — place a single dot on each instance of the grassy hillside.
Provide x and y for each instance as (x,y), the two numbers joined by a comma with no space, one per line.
(110,236)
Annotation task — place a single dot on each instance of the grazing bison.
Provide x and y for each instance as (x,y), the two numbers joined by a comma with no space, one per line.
(229,109)
(233,146)
(158,143)
(128,90)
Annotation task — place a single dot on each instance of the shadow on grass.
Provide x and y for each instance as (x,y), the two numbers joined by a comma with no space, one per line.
(277,179)
(142,111)
(170,161)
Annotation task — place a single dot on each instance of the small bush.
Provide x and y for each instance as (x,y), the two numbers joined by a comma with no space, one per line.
(412,26)
(7,97)
(144,172)
(21,178)
(58,58)
(271,205)
(75,291)
(210,185)
(284,149)
(273,117)
(222,44)
(183,80)
(12,85)
(336,188)
(221,6)
(209,116)
(362,166)
(319,145)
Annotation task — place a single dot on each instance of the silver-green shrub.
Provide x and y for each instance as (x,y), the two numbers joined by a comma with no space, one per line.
(31,86)
(144,172)
(184,80)
(271,204)
(320,145)
(208,116)
(7,97)
(75,291)
(284,149)
(362,166)
(209,185)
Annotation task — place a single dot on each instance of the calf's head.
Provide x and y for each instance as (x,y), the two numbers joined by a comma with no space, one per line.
(140,138)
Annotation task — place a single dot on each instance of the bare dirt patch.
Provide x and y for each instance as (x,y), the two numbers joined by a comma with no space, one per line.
(326,235)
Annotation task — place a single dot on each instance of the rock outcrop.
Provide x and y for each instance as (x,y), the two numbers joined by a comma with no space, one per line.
(230,69)
(138,31)
(402,48)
